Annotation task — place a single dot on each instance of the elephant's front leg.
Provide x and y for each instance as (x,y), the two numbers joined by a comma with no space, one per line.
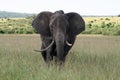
(71,40)
(43,53)
(46,54)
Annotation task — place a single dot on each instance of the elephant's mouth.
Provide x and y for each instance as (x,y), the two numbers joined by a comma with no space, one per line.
(69,44)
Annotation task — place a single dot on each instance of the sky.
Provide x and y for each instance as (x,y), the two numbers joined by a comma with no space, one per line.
(83,7)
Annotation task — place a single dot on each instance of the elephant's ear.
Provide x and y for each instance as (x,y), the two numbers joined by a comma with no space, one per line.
(41,23)
(76,23)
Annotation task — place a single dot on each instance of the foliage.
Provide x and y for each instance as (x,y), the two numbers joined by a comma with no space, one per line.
(94,25)
(105,26)
(16,26)
(119,15)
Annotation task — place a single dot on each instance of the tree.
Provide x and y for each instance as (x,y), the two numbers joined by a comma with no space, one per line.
(119,15)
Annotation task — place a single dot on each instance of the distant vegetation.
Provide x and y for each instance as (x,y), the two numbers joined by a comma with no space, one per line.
(16,26)
(119,15)
(94,25)
(5,14)
(102,25)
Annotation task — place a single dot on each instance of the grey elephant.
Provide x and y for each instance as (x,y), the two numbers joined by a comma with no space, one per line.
(58,32)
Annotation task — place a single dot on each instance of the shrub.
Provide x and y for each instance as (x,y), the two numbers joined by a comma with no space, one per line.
(89,25)
(1,31)
(23,26)
(101,18)
(107,19)
(91,21)
(103,25)
(119,15)
(16,26)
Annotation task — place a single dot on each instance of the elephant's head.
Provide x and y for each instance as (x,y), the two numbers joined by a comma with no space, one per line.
(59,26)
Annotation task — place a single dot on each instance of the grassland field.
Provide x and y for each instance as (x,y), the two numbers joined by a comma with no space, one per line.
(93,57)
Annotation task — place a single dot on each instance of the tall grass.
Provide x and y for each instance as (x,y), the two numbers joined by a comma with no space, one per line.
(91,58)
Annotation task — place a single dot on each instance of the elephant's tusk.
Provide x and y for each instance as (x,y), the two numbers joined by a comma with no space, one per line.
(45,48)
(69,44)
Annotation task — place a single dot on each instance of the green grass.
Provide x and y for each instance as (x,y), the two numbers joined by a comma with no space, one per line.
(91,58)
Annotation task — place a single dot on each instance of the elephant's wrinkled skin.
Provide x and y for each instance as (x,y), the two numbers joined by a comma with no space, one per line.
(58,33)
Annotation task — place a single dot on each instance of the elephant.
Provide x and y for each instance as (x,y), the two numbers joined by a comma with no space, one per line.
(58,33)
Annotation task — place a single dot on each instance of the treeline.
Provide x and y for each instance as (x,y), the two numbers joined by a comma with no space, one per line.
(5,14)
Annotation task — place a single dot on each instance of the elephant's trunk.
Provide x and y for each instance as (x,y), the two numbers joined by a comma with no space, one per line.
(60,42)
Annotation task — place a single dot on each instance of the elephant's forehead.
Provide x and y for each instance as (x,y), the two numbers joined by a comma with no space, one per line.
(58,18)
(42,22)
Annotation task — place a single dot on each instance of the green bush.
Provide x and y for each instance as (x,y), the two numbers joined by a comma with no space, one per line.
(1,31)
(110,28)
(107,19)
(16,26)
(23,26)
